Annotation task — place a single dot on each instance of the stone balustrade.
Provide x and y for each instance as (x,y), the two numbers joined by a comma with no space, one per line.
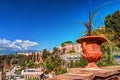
(29,75)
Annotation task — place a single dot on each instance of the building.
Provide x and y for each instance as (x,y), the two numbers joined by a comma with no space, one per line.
(24,53)
(36,56)
(32,73)
(72,52)
(71,47)
(10,74)
(70,57)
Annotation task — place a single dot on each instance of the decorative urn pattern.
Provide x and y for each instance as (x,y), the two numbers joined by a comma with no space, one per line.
(91,49)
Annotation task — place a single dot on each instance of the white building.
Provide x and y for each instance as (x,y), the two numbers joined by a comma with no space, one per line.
(32,73)
(10,74)
(69,57)
(27,53)
(24,53)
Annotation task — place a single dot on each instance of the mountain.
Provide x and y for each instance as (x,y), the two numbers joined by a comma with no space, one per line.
(8,52)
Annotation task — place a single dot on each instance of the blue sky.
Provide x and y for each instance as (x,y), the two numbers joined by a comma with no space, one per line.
(39,24)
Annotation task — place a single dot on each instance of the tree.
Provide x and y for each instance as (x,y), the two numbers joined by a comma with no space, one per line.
(55,51)
(45,54)
(108,22)
(109,48)
(66,42)
(14,62)
(113,22)
(30,64)
(78,63)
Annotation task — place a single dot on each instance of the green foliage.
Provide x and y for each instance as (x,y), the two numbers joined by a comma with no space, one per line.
(109,51)
(72,64)
(78,63)
(72,52)
(107,60)
(113,21)
(61,70)
(14,62)
(53,62)
(56,51)
(33,78)
(66,42)
(45,54)
(30,64)
(108,22)
(109,48)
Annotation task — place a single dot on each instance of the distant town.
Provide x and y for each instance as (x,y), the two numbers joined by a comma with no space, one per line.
(35,65)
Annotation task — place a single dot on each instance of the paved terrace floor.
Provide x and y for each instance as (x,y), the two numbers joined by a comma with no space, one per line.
(104,73)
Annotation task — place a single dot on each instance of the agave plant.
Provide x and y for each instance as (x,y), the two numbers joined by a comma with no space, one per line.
(88,24)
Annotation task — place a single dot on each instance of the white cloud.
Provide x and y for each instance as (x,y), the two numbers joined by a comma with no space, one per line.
(16,45)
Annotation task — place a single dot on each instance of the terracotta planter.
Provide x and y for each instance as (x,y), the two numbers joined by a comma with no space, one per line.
(91,49)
